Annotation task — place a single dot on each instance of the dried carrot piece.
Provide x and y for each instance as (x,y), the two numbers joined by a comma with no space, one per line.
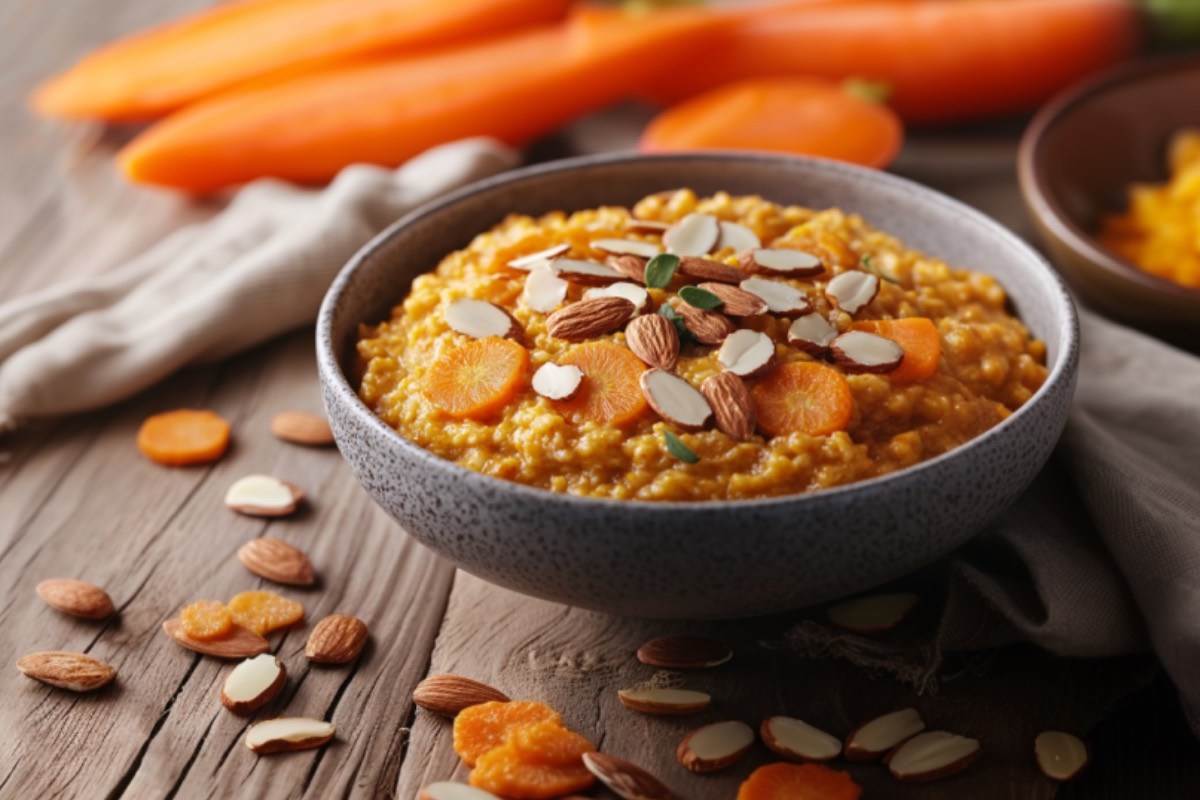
(186,436)
(206,619)
(548,743)
(478,379)
(482,727)
(263,612)
(502,771)
(610,393)
(798,782)
(921,342)
(803,397)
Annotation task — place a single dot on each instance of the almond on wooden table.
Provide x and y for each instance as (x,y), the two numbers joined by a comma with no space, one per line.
(664,702)
(288,733)
(1060,756)
(448,694)
(732,405)
(796,740)
(278,561)
(684,652)
(930,756)
(253,683)
(588,319)
(77,598)
(449,790)
(627,780)
(301,427)
(872,614)
(337,639)
(874,738)
(653,339)
(76,672)
(263,496)
(238,643)
(715,746)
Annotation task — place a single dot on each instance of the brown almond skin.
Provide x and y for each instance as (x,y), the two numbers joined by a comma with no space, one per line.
(708,327)
(708,270)
(590,318)
(736,301)
(337,639)
(662,709)
(632,267)
(448,694)
(75,672)
(300,427)
(732,405)
(277,561)
(260,511)
(653,339)
(693,763)
(284,746)
(953,768)
(77,598)
(628,781)
(238,644)
(253,704)
(683,652)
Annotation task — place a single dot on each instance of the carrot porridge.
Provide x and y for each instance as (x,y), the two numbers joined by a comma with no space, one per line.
(695,349)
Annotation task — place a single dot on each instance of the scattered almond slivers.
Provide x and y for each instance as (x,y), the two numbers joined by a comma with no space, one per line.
(779,261)
(873,739)
(874,613)
(676,400)
(930,756)
(557,383)
(813,334)
(654,340)
(544,290)
(449,694)
(263,496)
(530,261)
(747,353)
(628,781)
(796,740)
(732,405)
(852,291)
(449,790)
(737,238)
(858,351)
(683,652)
(694,235)
(238,643)
(480,319)
(586,273)
(781,298)
(337,639)
(1060,756)
(666,702)
(76,598)
(715,746)
(736,302)
(276,560)
(590,318)
(75,672)
(627,247)
(634,293)
(301,427)
(253,683)
(288,733)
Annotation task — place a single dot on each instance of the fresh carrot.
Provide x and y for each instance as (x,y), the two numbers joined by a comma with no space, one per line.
(943,60)
(478,379)
(809,116)
(182,437)
(514,88)
(610,393)
(798,782)
(803,397)
(165,68)
(921,342)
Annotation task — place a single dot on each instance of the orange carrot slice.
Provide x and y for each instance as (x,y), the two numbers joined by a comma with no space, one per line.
(798,782)
(186,436)
(610,393)
(921,342)
(483,727)
(808,116)
(803,397)
(478,379)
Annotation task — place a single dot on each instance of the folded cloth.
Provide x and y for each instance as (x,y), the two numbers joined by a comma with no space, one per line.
(257,269)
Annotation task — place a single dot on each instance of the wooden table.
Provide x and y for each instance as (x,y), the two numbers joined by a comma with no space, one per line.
(76,500)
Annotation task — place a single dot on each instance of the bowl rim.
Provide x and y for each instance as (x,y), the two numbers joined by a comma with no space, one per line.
(334,377)
(1043,200)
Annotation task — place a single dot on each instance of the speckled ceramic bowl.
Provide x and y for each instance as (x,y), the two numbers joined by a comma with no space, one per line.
(696,560)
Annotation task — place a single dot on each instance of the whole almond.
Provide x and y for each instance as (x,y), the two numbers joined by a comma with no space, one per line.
(628,781)
(736,302)
(707,270)
(77,598)
(448,694)
(732,405)
(77,672)
(632,267)
(590,318)
(300,427)
(683,652)
(238,643)
(708,327)
(653,339)
(277,561)
(337,639)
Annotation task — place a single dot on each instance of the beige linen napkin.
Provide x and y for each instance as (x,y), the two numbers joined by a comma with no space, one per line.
(257,269)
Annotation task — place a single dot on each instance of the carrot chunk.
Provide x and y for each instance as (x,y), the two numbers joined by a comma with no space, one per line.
(483,727)
(921,342)
(186,436)
(478,379)
(798,782)
(504,772)
(610,393)
(803,397)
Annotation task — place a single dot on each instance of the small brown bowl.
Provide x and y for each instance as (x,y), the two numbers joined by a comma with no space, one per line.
(1077,161)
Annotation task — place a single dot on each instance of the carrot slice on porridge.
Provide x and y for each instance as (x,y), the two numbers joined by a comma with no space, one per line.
(478,379)
(803,397)
(610,393)
(921,342)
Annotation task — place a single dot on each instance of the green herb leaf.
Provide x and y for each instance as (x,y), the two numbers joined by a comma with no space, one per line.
(660,270)
(670,313)
(699,298)
(677,448)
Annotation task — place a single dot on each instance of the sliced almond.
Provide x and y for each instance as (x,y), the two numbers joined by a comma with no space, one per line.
(706,327)
(781,298)
(627,781)
(633,292)
(859,351)
(707,270)
(873,739)
(676,400)
(813,334)
(253,683)
(238,643)
(449,694)
(852,291)
(666,702)
(449,790)
(480,319)
(694,235)
(653,339)
(737,238)
(557,383)
(932,755)
(277,561)
(586,273)
(631,267)
(76,672)
(77,598)
(337,639)
(796,740)
(715,746)
(781,261)
(684,652)
(590,318)
(541,256)
(288,733)
(874,613)
(646,226)
(301,427)
(263,496)
(747,353)
(1060,756)
(736,302)
(627,247)
(544,291)
(732,405)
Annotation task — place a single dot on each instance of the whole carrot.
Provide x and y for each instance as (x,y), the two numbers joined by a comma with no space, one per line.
(165,68)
